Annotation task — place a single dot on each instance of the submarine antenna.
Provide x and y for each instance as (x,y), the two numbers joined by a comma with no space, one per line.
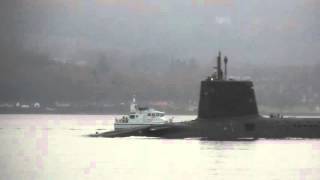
(225,68)
(219,71)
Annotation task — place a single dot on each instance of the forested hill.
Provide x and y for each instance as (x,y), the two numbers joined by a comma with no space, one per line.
(29,78)
(173,84)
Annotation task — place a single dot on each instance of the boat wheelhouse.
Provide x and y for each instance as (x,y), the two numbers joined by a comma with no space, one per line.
(141,117)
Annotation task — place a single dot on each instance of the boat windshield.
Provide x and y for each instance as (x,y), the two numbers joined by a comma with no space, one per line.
(143,108)
(156,114)
(132,116)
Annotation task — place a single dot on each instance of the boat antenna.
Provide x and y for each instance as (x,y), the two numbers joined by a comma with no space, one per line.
(133,106)
(134,99)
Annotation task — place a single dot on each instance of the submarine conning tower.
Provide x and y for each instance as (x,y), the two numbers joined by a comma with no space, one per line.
(223,97)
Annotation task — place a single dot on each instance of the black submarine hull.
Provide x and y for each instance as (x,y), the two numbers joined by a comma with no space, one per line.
(259,127)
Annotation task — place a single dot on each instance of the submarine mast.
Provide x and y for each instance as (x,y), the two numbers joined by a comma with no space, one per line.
(225,68)
(219,70)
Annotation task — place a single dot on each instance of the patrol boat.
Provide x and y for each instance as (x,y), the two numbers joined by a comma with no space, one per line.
(141,117)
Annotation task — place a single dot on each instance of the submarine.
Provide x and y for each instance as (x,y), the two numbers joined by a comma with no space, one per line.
(227,110)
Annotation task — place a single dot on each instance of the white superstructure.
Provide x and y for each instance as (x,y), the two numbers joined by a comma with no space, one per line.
(141,117)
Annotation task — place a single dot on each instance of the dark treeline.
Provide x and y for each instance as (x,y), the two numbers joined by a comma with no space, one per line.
(103,79)
(28,77)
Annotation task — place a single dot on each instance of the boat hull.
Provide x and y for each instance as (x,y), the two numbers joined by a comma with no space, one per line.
(121,126)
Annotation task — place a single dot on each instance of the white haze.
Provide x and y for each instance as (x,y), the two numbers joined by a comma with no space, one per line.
(250,31)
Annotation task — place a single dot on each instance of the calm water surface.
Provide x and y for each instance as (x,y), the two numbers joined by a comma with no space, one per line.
(55,147)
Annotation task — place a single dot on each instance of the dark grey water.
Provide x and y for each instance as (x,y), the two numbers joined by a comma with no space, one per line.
(53,147)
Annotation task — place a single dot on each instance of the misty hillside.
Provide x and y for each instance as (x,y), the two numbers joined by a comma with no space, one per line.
(101,53)
(29,78)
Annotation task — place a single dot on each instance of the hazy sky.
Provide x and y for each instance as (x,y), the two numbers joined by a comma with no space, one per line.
(252,31)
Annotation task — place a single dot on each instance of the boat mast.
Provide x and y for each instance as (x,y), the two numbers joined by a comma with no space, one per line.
(133,105)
